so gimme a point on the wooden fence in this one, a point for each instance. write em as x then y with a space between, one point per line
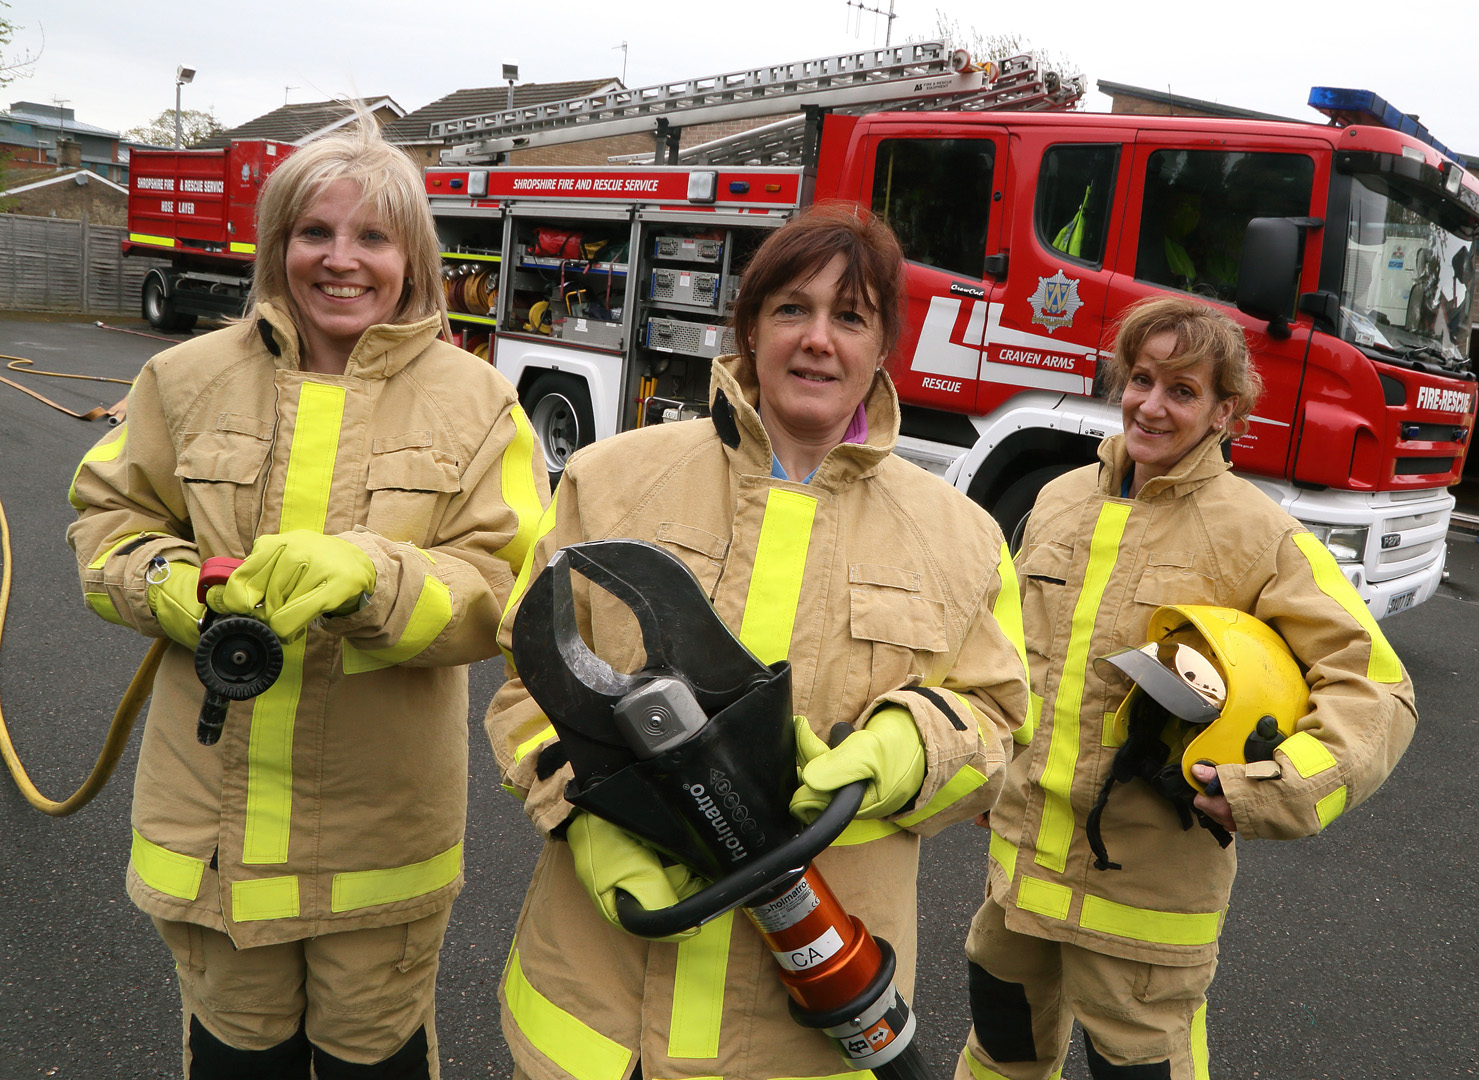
55 264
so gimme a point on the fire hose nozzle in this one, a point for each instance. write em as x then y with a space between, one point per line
238 657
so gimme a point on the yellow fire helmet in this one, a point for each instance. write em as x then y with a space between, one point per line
1225 674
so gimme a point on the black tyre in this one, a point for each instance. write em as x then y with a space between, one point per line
1014 504
559 408
159 307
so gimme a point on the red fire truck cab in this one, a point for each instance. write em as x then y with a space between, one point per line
1345 252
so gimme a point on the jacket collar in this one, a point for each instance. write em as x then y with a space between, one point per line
381 351
734 394
1201 463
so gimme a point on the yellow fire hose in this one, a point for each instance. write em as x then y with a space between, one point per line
138 690
118 731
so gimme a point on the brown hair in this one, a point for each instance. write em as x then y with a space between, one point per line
391 184
873 274
1202 333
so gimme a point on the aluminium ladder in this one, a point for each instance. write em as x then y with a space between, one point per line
926 72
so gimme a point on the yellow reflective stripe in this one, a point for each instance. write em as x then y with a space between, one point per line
1107 732
1023 735
775 580
698 990
521 583
1200 1060
861 831
102 603
1383 665
1056 832
1044 897
1331 806
1004 854
580 1050
166 871
305 492
1307 754
519 493
305 505
366 888
1145 924
243 249
264 898
157 241
981 1072
1008 608
269 802
430 616
967 780
103 451
522 750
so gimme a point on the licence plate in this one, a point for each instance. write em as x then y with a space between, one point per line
1401 602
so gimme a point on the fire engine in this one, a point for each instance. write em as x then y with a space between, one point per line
197 209
1343 250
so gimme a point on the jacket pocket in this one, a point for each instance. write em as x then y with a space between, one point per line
902 630
702 552
221 472
1172 577
410 484
1044 573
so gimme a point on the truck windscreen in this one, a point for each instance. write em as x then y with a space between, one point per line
1407 286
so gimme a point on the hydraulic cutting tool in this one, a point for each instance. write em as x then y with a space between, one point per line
695 754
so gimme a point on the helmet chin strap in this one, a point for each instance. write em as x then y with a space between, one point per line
1146 757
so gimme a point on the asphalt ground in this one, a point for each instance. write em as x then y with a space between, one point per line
1348 955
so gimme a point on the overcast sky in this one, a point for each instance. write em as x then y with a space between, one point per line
114 62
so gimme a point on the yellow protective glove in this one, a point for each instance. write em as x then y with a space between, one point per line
608 858
171 596
887 752
295 577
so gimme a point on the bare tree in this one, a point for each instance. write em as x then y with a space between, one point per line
983 46
195 127
13 67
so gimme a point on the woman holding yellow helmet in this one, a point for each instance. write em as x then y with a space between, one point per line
1197 653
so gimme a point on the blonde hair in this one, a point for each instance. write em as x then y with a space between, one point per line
391 184
1202 333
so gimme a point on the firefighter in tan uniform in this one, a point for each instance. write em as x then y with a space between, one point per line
383 488
891 595
1105 899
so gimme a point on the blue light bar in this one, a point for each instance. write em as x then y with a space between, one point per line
1348 107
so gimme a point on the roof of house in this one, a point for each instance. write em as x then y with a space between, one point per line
76 176
53 118
414 126
296 124
1191 104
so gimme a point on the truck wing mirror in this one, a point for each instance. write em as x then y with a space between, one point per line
1268 276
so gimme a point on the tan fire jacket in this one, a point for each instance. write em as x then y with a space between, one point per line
337 799
879 583
1094 567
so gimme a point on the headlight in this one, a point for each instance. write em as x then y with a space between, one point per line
1346 542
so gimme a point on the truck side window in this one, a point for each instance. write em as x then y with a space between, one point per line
1074 188
936 195
1197 205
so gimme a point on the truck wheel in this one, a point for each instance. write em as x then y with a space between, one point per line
1016 501
159 307
559 409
